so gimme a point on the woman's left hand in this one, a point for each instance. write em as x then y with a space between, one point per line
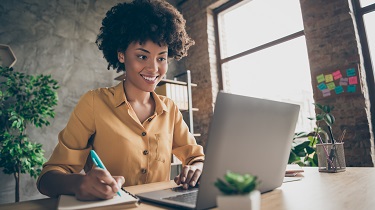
189 175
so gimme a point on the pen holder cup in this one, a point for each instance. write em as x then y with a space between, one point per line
331 157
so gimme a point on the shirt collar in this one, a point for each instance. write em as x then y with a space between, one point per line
159 104
120 98
119 94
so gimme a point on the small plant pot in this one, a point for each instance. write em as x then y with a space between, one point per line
249 201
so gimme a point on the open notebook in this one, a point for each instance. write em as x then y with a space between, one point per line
127 200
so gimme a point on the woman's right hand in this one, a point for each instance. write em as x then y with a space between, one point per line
98 184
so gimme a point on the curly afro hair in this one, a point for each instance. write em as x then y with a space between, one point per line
142 20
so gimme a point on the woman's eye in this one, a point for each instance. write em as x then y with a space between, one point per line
142 57
162 59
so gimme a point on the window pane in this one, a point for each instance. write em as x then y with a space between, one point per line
366 2
257 22
369 20
279 73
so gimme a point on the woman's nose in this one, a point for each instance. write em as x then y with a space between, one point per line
152 65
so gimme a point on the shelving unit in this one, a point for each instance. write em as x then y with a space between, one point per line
189 85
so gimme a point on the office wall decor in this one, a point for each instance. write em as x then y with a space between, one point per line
337 82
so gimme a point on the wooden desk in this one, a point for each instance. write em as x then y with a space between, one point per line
352 189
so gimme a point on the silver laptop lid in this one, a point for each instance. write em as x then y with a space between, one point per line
247 135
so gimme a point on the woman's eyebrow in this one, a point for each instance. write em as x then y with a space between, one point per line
146 51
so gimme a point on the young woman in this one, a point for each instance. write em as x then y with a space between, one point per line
133 130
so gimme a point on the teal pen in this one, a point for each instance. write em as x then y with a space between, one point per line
99 163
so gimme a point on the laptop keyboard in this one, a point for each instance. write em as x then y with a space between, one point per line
190 197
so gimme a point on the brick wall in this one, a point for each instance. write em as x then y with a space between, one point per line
331 43
202 62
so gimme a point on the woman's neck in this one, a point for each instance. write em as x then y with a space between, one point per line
135 95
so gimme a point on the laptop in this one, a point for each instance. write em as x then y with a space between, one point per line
246 135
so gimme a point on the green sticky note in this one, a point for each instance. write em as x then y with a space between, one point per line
351 88
331 85
350 72
339 89
320 78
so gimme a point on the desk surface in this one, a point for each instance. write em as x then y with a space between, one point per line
352 189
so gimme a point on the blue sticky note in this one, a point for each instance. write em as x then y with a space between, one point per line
339 89
350 72
351 88
322 86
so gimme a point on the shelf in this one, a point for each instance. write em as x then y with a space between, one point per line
7 57
163 81
193 109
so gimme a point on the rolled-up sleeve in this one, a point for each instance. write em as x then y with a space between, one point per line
185 146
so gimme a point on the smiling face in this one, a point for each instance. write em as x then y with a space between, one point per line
145 64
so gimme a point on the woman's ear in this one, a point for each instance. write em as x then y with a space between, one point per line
121 57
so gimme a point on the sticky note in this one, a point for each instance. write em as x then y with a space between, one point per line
320 78
326 92
353 80
322 86
350 72
351 88
331 85
329 78
337 75
344 81
339 89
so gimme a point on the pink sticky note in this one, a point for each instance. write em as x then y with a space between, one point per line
337 75
353 80
326 92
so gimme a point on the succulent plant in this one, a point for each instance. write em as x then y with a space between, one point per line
237 184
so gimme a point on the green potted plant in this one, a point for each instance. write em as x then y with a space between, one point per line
238 192
303 151
25 100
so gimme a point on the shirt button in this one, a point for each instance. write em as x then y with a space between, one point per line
143 170
145 152
149 119
143 133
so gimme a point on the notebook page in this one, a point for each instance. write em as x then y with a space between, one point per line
68 202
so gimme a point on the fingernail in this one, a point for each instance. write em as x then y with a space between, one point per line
192 183
186 186
182 179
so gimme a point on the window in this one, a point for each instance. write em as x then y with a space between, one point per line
263 53
369 22
364 11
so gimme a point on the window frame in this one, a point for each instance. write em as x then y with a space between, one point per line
359 12
232 4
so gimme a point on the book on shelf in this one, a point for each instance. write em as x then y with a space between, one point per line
178 93
127 200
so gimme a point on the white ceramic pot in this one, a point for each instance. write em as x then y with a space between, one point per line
249 201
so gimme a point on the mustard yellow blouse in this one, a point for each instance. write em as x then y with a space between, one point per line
103 120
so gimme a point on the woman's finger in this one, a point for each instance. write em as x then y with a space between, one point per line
105 177
194 180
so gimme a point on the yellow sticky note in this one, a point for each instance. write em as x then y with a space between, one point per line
329 78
